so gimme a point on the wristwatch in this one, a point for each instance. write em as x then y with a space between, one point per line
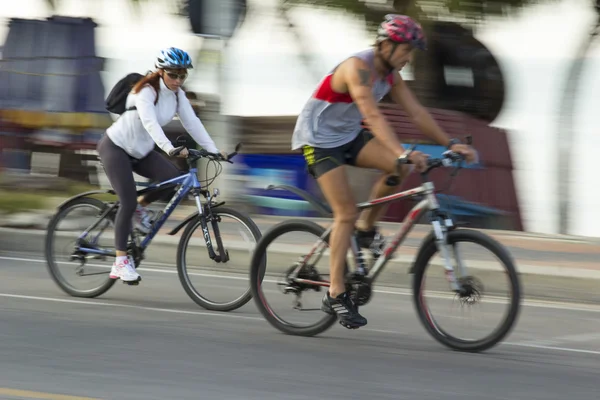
403 159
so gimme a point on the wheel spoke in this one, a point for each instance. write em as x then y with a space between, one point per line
470 294
295 275
239 235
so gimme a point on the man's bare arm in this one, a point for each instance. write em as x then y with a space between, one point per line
358 78
402 95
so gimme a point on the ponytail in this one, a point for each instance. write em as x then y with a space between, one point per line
152 79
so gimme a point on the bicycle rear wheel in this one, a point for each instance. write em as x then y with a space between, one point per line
64 237
285 263
474 290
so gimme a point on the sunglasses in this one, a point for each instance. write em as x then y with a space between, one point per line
173 75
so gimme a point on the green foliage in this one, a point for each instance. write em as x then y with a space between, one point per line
11 202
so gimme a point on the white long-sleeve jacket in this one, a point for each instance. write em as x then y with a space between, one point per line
136 132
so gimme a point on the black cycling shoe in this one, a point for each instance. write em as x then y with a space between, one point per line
346 310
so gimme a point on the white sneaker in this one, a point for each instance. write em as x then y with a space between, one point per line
142 220
124 269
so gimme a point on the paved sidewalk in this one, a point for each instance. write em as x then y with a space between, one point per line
540 254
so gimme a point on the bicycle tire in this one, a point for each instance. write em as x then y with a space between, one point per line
258 259
50 263
182 270
478 238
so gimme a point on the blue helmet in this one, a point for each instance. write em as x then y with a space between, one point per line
173 58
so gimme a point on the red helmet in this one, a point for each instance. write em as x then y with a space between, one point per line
401 29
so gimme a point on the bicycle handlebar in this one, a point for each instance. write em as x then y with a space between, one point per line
448 158
197 154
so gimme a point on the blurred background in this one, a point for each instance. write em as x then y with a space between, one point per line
517 75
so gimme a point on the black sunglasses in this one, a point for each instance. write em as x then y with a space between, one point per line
173 75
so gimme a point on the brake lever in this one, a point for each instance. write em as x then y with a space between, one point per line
230 156
456 169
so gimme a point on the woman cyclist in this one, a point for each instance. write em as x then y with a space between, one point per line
128 147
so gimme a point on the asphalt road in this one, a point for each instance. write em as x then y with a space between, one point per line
153 342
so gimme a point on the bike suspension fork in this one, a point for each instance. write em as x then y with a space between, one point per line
441 236
223 255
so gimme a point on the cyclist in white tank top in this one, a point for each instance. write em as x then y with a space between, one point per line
328 131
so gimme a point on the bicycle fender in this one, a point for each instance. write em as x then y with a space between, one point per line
191 217
70 200
321 207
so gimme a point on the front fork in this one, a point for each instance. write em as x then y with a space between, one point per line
223 255
441 226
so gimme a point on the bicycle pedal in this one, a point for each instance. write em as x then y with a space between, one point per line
132 283
348 326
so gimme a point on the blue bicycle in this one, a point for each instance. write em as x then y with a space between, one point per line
84 251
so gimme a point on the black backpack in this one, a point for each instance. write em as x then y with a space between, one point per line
117 98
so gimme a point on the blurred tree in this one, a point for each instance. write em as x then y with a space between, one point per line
468 11
178 5
452 47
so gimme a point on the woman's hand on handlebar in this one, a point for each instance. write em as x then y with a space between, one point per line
224 155
180 152
183 153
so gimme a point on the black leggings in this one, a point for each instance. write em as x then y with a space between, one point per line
119 168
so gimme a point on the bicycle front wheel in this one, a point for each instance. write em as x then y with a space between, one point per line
493 264
218 285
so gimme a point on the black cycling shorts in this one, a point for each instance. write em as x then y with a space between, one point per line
321 160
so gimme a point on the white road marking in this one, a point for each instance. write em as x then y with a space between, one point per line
554 348
557 340
117 305
244 317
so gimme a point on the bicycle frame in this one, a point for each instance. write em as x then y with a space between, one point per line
189 182
429 203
